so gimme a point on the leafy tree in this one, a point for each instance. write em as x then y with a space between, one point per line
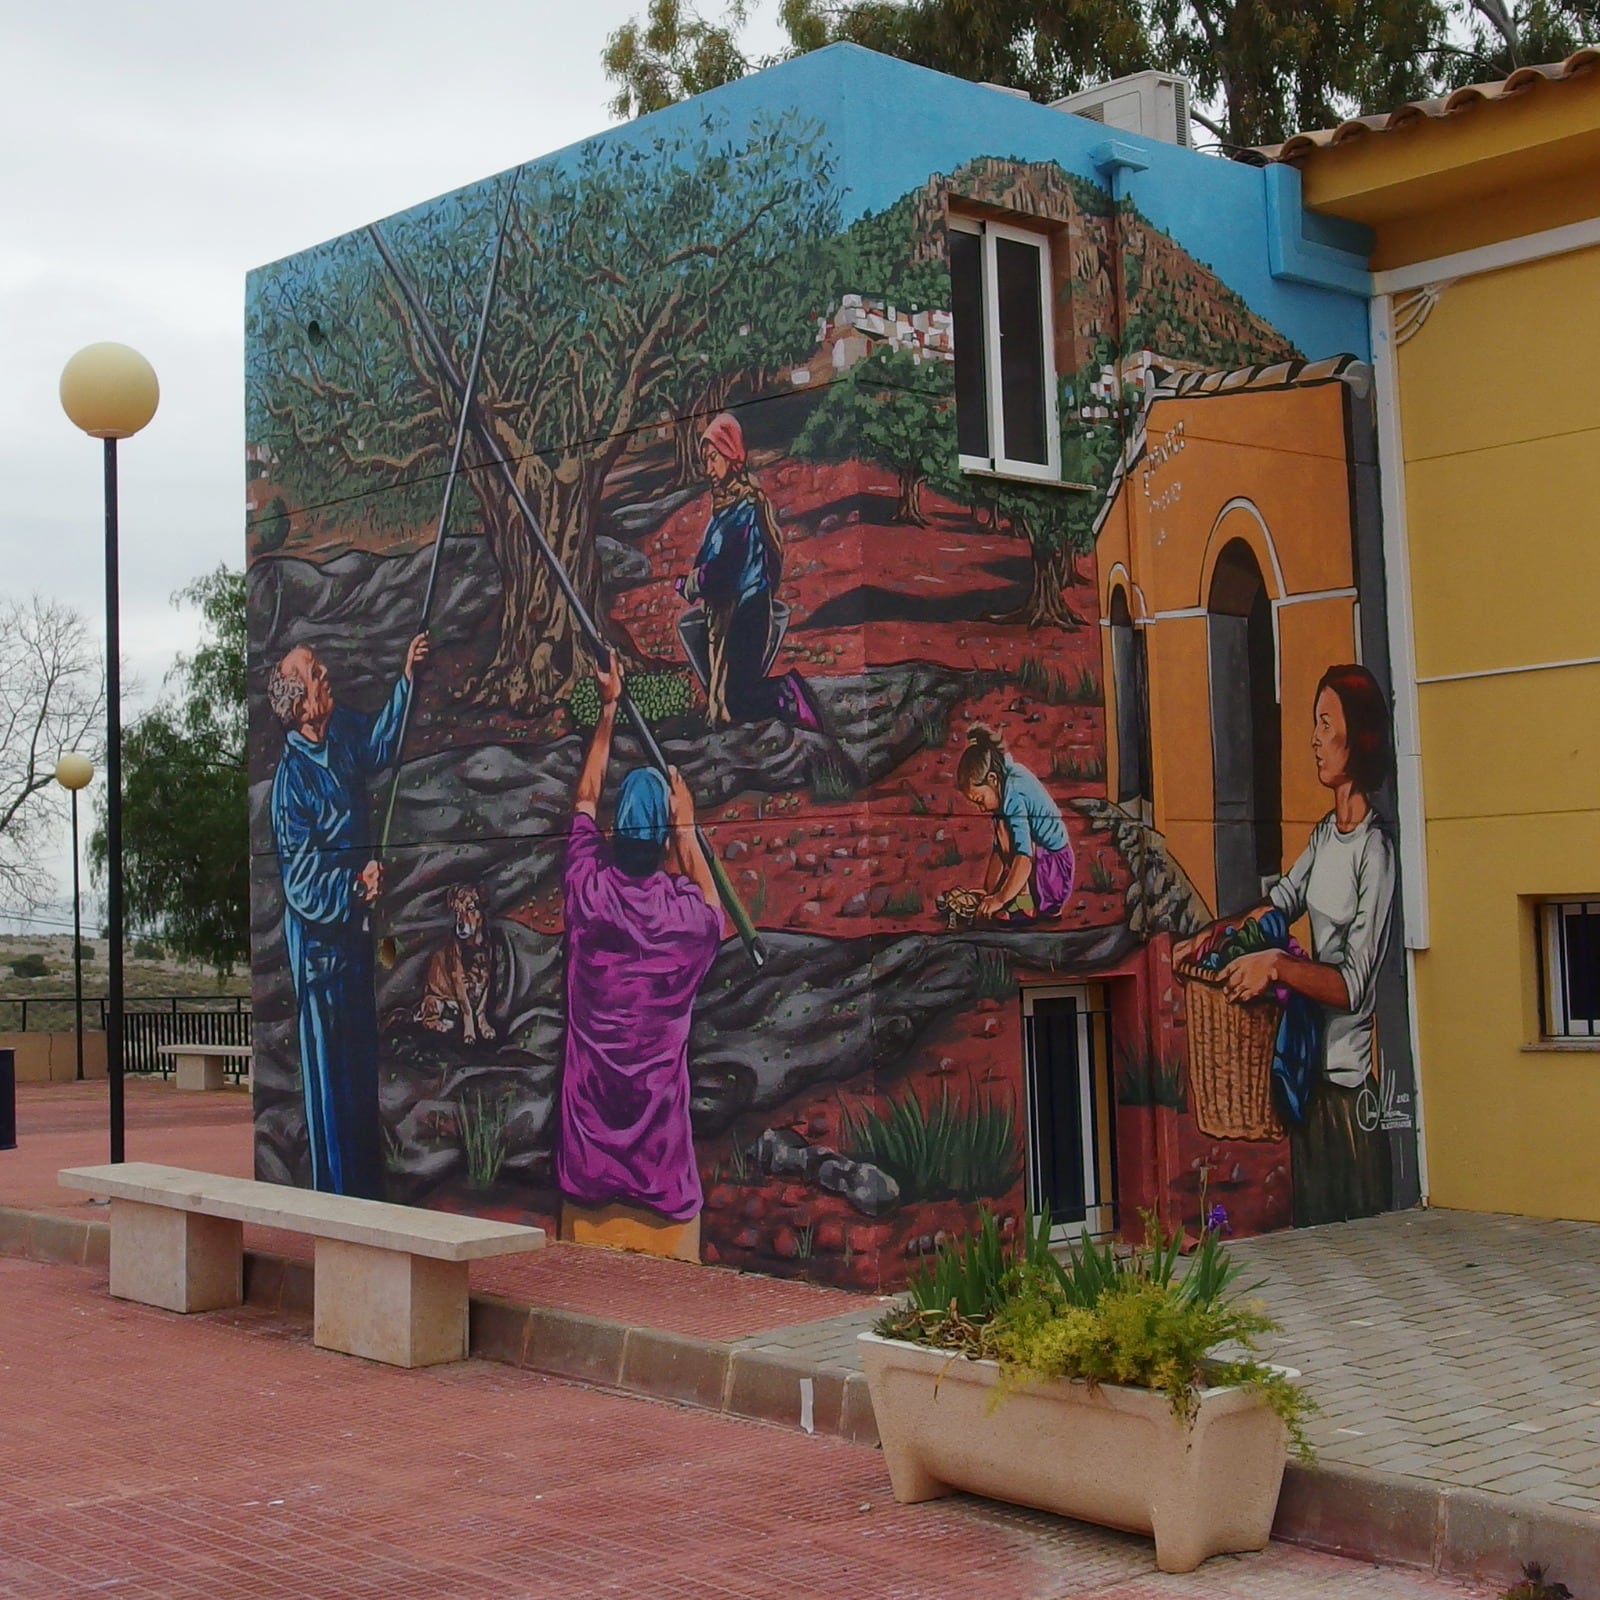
1047 47
52 700
765 324
185 805
625 265
1059 524
1279 65
1048 50
893 411
671 54
1501 36
1275 65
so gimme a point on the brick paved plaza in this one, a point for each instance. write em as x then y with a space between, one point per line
147 1455
1452 1351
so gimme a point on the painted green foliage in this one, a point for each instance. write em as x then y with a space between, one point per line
893 411
638 277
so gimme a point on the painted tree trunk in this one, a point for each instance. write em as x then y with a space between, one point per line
1046 607
909 506
541 651
689 469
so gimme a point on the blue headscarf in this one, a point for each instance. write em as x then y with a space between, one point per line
641 823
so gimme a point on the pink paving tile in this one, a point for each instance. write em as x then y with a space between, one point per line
148 1456
65 1125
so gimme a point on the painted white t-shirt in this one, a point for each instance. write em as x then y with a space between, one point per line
1344 882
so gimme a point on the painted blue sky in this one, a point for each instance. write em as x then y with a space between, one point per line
900 124
894 125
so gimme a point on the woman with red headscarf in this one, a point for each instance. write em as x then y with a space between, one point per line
735 577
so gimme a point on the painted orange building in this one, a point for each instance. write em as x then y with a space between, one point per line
1227 586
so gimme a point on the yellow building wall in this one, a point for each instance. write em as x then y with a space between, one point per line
1527 162
1270 467
1500 417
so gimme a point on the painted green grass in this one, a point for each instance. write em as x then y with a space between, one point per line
481 1119
1057 688
947 1150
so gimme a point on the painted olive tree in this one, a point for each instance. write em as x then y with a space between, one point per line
629 264
893 411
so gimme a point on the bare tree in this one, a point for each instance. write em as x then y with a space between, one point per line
52 699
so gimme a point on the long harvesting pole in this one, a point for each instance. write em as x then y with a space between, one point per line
598 649
470 388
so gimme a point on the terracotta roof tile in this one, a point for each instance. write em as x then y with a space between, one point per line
1300 145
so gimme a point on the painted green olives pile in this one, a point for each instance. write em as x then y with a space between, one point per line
659 696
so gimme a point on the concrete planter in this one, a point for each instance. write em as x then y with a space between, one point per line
1109 1455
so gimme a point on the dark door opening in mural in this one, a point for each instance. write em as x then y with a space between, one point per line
1131 682
1246 731
1069 1144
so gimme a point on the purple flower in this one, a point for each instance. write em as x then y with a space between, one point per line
1217 1220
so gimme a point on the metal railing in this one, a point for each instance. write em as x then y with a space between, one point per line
148 1022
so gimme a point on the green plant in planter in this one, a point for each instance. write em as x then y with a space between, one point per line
1103 1315
1534 1585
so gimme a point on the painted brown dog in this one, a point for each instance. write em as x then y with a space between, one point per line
459 972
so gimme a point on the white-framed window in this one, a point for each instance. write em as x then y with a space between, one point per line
1006 417
1569 961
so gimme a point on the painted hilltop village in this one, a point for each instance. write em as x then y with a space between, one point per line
797 670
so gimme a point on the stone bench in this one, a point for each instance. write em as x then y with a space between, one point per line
201 1066
389 1282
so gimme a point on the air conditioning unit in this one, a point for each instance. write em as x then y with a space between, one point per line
1155 104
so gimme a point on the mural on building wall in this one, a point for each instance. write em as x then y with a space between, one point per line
675 880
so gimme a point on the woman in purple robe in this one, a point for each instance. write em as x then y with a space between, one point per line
644 922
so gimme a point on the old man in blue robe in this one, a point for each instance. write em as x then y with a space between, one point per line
330 880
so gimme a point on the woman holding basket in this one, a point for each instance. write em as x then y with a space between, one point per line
1343 883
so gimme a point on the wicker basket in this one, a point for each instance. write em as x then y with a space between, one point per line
1230 1060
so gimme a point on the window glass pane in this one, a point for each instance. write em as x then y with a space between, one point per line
1581 969
1023 359
966 311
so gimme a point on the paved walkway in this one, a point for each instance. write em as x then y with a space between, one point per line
63 1125
1458 1354
1448 1345
202 1458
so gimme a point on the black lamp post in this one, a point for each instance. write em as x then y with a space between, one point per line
73 773
111 392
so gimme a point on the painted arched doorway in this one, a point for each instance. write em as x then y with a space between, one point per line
1246 730
1131 686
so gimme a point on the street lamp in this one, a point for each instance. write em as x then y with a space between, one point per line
111 392
73 773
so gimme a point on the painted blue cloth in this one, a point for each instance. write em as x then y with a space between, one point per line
642 807
1297 1050
1032 818
734 563
319 821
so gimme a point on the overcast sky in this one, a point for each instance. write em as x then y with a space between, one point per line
150 155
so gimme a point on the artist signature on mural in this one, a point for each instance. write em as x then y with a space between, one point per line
1385 1106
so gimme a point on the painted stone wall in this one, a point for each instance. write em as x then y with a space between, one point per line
717 376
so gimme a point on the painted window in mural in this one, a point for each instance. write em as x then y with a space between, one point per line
1246 729
1005 387
1130 672
1569 961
